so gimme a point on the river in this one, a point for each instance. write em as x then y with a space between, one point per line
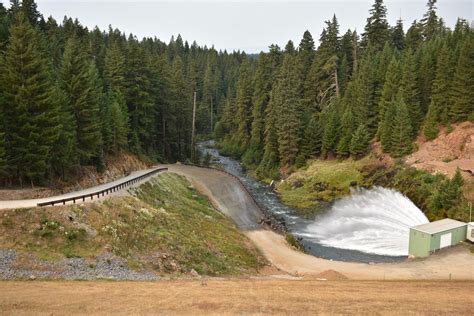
368 226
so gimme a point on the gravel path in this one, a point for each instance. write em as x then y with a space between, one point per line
19 266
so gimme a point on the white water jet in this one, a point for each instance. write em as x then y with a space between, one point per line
374 221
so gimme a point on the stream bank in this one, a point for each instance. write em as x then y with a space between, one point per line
295 223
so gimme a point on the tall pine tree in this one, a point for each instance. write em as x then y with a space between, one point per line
462 94
31 115
78 82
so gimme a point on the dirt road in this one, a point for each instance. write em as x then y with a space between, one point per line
228 195
234 296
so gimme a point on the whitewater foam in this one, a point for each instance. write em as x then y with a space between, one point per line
374 221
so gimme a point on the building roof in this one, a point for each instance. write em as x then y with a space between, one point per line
439 226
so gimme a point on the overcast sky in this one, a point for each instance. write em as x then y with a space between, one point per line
246 25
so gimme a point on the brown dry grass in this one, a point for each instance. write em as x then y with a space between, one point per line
238 296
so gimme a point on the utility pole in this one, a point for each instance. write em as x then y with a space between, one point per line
194 127
470 211
212 115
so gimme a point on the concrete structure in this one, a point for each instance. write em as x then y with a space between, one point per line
428 238
470 231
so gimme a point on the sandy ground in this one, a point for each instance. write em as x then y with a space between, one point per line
237 296
228 195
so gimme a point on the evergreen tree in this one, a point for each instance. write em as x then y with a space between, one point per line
312 141
243 106
426 74
390 88
65 155
4 23
409 90
401 140
139 101
270 159
387 127
376 29
117 121
331 132
288 116
114 72
414 36
177 114
78 82
305 54
360 141
449 193
430 21
347 129
261 97
31 116
3 158
462 93
30 11
321 84
397 36
362 96
440 103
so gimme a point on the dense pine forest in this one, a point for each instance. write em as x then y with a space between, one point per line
70 96
333 101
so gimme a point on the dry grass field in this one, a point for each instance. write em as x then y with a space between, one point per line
238 296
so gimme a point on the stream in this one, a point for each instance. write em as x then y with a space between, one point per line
367 226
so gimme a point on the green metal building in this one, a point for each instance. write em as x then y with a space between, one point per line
428 238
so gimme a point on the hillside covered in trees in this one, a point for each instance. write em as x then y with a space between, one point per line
70 96
383 85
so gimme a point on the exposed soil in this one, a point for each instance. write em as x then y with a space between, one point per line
87 176
446 153
238 296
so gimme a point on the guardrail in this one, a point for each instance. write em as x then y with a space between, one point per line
103 192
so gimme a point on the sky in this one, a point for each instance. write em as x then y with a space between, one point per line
240 25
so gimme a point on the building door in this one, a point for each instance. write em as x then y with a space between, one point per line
445 240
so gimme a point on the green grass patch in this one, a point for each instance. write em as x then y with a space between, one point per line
311 188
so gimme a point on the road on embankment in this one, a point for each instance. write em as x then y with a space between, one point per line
34 202
228 195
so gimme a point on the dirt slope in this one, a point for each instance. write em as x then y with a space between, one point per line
447 152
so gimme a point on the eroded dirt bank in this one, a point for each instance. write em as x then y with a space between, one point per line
228 195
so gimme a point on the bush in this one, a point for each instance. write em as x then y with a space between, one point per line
294 242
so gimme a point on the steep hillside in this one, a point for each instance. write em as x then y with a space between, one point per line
453 148
166 229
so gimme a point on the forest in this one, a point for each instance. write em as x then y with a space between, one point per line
70 96
334 100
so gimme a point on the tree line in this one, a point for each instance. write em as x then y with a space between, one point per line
384 84
70 96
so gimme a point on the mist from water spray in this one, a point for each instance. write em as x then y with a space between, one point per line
373 221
